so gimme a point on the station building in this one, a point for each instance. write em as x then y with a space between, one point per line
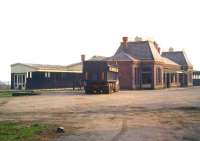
143 66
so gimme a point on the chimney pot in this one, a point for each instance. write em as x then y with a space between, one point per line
125 39
83 57
171 49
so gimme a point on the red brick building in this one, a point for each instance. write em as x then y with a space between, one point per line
143 67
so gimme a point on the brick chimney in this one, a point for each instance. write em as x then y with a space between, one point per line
83 57
125 41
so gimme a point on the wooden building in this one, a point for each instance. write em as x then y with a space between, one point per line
196 78
37 76
143 67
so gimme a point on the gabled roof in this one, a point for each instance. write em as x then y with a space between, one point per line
121 56
177 56
75 68
141 50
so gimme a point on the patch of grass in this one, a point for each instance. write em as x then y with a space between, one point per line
190 108
191 138
17 131
5 94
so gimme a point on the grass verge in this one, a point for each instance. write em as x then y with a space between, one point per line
20 131
5 94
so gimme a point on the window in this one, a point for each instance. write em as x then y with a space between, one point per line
29 75
86 75
146 78
146 74
47 74
136 76
112 76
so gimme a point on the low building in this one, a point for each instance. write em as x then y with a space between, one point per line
143 67
37 76
196 78
40 76
186 71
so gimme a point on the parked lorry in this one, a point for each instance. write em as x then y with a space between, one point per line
100 77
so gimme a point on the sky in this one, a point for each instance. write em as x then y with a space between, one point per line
59 31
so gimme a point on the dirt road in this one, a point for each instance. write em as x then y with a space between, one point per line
162 115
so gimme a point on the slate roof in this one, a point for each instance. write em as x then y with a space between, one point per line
178 56
121 56
141 50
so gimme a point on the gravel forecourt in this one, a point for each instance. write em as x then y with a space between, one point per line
139 115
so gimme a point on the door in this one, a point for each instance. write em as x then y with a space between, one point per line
20 81
183 79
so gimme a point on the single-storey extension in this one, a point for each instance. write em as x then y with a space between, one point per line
37 76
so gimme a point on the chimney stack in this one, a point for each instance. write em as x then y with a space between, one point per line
137 38
125 41
83 57
171 49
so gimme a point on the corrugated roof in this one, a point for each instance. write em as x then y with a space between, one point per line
46 67
177 56
76 67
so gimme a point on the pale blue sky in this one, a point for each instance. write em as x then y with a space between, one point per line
57 32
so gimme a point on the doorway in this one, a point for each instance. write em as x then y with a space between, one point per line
168 80
20 81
